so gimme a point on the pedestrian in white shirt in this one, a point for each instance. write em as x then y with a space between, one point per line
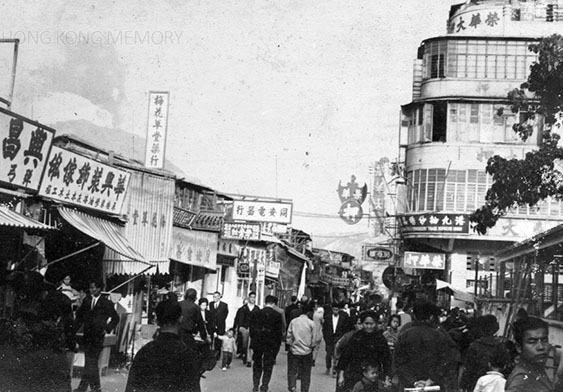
302 339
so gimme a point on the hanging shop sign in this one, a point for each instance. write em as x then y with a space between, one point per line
272 269
434 222
197 248
262 211
425 260
74 179
243 267
156 129
351 198
241 231
376 253
227 248
25 150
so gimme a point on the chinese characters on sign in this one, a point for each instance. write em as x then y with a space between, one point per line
425 260
351 198
241 231
74 179
156 129
197 248
25 148
262 211
466 23
376 253
434 222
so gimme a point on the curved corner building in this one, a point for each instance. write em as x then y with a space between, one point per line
458 118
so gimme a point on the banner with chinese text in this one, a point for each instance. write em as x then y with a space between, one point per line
425 260
157 127
25 149
74 179
197 248
434 222
262 211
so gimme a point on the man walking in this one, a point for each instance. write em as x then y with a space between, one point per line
219 312
166 363
265 337
97 315
301 339
192 321
335 325
243 322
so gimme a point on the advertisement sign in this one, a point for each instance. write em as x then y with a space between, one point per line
157 126
25 150
74 179
351 196
425 260
197 248
484 21
376 253
272 269
262 211
434 222
241 231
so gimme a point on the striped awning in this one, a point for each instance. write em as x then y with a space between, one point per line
102 230
13 219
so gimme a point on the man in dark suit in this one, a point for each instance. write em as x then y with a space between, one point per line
219 311
266 333
97 314
192 321
335 325
243 322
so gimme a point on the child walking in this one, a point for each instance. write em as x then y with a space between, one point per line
229 347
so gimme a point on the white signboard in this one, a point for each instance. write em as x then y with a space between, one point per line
197 248
25 149
156 129
262 211
74 179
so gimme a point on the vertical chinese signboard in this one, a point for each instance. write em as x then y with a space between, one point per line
156 129
25 150
74 179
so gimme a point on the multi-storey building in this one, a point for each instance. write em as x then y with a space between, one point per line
459 116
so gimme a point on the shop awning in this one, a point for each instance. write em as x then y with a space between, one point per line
13 219
458 293
102 230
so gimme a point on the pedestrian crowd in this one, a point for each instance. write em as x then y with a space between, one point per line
367 348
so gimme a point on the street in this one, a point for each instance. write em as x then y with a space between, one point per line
237 378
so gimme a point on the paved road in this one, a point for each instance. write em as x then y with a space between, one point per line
236 379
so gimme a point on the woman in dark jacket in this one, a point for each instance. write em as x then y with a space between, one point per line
367 345
207 317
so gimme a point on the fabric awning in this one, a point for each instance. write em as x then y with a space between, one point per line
102 230
13 219
458 293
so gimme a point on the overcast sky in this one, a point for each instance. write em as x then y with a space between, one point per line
268 97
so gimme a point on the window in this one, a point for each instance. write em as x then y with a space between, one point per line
461 191
477 58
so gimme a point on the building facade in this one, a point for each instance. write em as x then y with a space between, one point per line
459 117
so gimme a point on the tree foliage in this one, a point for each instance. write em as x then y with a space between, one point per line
521 182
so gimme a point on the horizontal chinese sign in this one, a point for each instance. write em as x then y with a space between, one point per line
425 260
156 129
262 211
197 248
434 222
25 150
74 179
241 231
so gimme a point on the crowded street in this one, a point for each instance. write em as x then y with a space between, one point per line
281 196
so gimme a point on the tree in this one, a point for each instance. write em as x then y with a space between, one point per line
520 182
